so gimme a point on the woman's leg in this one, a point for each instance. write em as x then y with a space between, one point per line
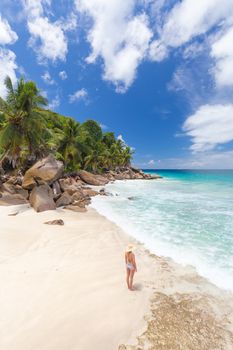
131 279
127 277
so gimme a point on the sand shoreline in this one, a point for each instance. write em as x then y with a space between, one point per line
62 284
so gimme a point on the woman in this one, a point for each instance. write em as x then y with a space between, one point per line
131 266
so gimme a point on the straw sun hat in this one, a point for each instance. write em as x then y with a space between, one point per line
130 248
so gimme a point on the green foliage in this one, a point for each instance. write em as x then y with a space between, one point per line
93 129
29 132
22 127
109 139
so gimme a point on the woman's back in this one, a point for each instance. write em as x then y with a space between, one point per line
130 257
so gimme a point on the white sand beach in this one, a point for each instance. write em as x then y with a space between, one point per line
63 288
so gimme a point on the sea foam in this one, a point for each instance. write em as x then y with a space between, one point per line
190 222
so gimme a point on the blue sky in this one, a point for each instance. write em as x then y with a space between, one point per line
158 73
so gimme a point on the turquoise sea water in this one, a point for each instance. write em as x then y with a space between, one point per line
188 216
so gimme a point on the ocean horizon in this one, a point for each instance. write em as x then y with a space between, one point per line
187 216
188 170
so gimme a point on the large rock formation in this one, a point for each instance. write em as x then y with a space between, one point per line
9 188
12 199
44 185
77 196
89 192
91 179
130 174
81 202
44 171
41 198
19 190
56 188
67 185
65 199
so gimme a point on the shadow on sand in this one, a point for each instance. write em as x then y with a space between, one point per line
137 287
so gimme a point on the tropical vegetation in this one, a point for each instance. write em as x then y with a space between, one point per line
30 131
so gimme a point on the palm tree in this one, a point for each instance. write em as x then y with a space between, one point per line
120 155
115 153
28 131
126 155
23 126
72 145
98 158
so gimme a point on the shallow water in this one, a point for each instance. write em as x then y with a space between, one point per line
188 216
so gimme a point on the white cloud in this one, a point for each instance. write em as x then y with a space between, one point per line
120 137
118 37
222 51
205 160
44 93
158 51
103 126
124 144
54 103
151 162
70 23
7 35
178 27
8 67
34 8
189 81
8 64
63 75
214 160
191 18
22 71
181 80
194 49
81 94
210 126
47 78
47 38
